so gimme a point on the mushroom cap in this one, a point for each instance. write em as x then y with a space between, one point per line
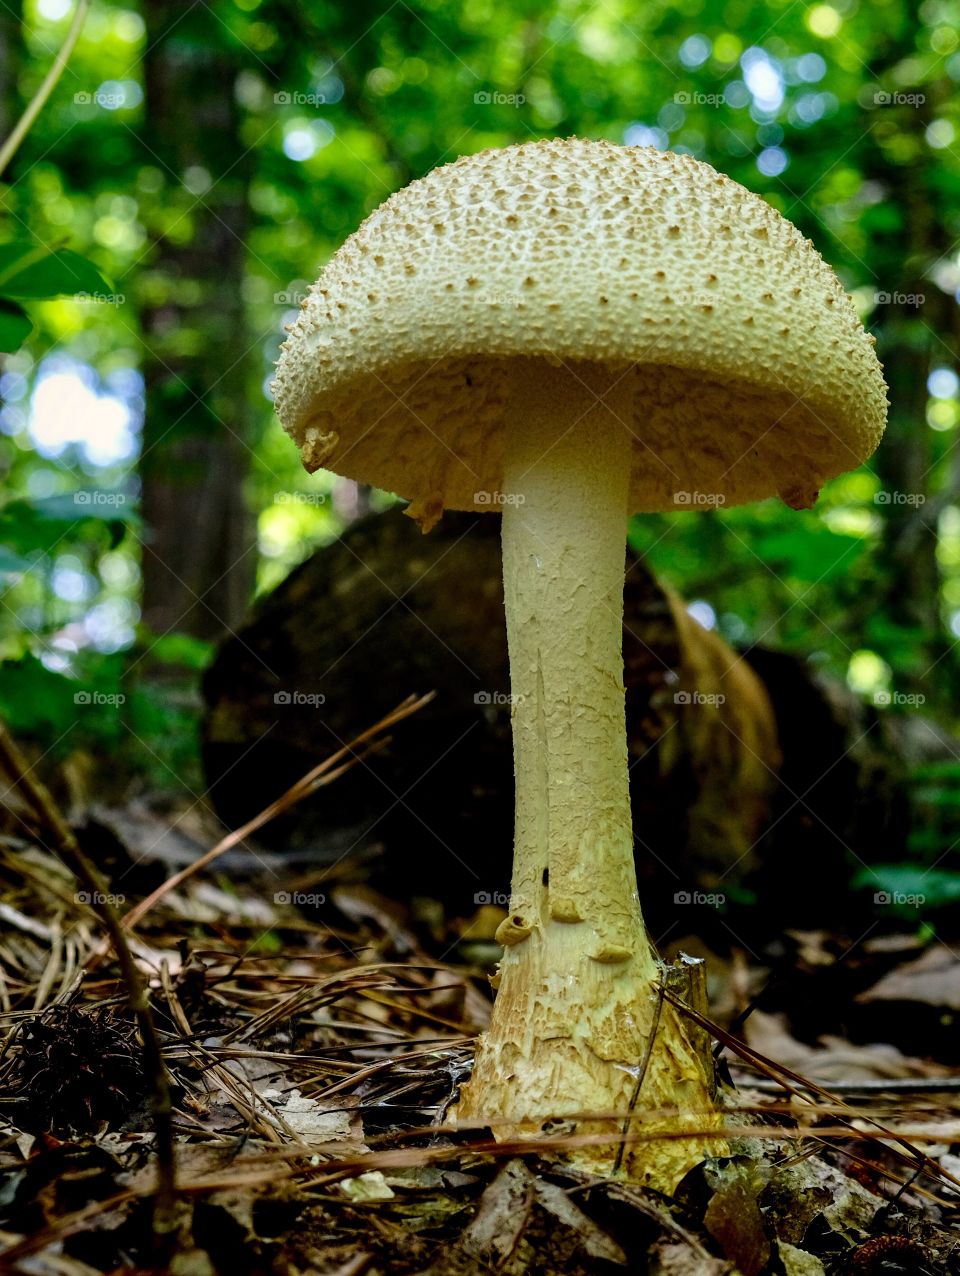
753 374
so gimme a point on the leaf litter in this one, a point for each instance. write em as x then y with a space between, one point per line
314 1055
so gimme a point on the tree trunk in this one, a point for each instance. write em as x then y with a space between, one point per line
198 555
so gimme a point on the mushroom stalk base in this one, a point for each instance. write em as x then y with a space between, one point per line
579 1025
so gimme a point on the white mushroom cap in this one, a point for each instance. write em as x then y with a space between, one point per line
754 376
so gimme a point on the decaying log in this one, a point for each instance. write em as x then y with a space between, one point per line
386 611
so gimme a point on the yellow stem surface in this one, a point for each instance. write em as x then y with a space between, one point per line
579 983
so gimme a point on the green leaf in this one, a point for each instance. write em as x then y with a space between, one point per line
935 885
34 698
941 770
13 564
85 708
181 649
15 326
27 526
937 796
925 842
31 271
809 551
87 503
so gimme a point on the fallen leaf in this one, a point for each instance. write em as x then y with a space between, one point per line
673 1258
371 1186
733 1215
833 1058
595 1240
311 1121
797 1262
503 1213
933 979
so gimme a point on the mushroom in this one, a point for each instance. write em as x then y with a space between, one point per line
569 332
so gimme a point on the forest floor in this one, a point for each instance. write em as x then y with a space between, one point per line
315 1036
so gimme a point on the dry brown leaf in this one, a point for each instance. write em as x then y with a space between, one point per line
733 1216
504 1210
933 979
833 1059
673 1258
595 1240
797 1262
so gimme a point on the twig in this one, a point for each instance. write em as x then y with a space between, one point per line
802 1088
321 774
869 1085
39 101
641 1073
66 844
261 1115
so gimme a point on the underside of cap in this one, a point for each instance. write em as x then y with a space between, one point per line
752 374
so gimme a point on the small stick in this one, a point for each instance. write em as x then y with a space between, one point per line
25 123
66 844
869 1085
641 1073
802 1088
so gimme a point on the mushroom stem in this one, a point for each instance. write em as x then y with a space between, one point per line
578 995
564 545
